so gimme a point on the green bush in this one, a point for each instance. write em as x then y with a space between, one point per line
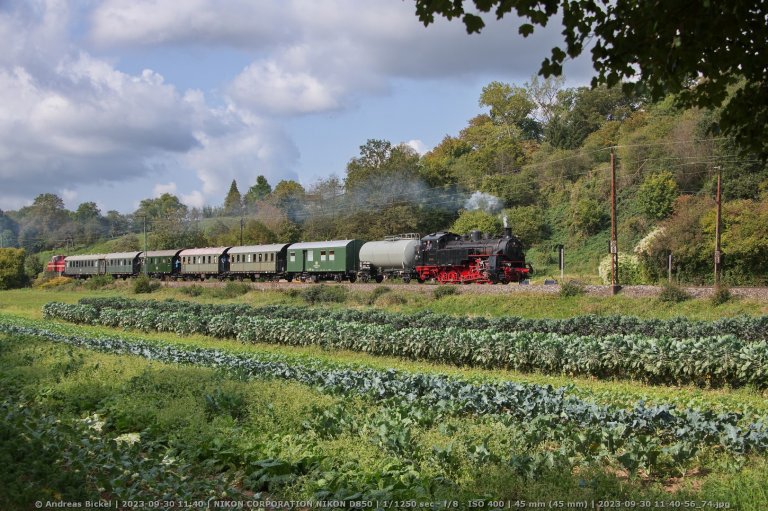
12 268
99 282
443 291
324 294
193 290
377 293
144 284
630 271
721 296
572 288
672 293
231 290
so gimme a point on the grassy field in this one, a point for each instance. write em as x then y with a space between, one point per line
204 433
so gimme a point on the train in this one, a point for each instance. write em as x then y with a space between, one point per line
443 257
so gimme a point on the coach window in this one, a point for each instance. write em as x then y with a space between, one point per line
310 255
331 255
259 257
322 255
292 257
272 257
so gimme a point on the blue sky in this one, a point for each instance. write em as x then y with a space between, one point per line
115 101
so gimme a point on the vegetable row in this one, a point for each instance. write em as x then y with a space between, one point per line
747 328
709 361
612 429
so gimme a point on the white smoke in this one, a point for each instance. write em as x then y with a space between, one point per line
484 201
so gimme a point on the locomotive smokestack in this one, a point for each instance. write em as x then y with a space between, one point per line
507 228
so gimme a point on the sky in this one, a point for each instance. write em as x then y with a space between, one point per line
115 101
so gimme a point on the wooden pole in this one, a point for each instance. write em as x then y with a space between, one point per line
614 241
718 254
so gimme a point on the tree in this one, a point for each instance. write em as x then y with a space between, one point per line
86 211
476 220
233 202
657 195
511 106
166 206
706 53
257 192
289 196
12 268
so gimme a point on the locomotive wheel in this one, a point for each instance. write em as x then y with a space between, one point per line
407 279
379 279
352 278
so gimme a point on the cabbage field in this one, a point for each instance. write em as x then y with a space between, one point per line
227 404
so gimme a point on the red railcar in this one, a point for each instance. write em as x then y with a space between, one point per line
56 265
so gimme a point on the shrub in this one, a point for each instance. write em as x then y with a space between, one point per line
443 291
630 271
99 282
12 268
572 288
231 290
377 293
324 294
48 283
721 296
672 293
143 284
193 290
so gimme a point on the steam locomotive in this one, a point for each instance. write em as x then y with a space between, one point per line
443 256
450 258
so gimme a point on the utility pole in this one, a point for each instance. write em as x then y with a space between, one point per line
145 245
241 231
669 269
718 254
614 241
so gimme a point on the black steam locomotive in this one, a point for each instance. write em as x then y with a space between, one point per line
450 258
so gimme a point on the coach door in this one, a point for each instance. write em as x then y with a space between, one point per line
102 266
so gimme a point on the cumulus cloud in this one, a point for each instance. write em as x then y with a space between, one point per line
418 146
333 52
74 118
160 189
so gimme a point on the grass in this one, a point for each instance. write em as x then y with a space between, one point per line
27 302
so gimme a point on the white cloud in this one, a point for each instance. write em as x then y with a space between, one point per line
266 87
418 146
160 189
196 199
333 51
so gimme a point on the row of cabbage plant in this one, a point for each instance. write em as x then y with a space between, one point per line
747 328
710 361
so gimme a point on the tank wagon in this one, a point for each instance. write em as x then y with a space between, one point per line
393 257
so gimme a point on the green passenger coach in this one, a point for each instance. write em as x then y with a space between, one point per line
162 263
325 260
83 266
122 264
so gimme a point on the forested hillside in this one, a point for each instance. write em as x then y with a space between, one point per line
538 154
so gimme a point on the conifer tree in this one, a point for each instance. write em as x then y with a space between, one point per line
233 201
